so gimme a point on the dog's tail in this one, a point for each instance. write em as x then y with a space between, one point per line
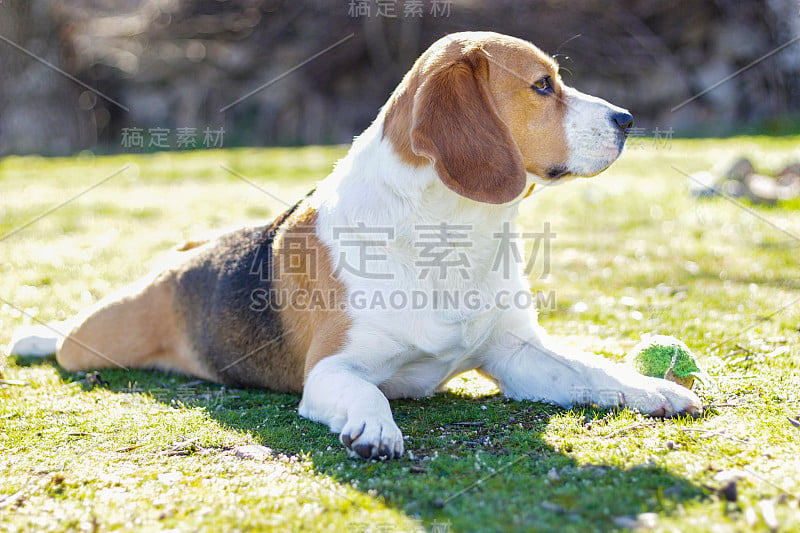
40 340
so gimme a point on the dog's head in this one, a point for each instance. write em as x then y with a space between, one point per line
490 112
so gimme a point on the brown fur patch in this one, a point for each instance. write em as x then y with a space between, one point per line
533 123
456 125
262 304
536 121
397 123
194 316
315 321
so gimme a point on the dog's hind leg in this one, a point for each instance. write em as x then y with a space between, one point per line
136 327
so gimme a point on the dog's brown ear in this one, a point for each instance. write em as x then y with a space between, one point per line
456 125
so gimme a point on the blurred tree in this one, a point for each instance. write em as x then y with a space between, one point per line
40 109
179 64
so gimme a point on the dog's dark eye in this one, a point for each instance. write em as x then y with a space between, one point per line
543 86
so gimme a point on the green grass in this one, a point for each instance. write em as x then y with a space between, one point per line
151 451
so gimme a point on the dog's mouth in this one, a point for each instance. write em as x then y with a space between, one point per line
556 171
592 161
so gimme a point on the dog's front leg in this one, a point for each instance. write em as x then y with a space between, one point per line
336 395
526 366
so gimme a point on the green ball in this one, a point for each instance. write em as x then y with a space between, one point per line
663 356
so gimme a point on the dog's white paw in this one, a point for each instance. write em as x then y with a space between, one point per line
33 341
659 397
372 437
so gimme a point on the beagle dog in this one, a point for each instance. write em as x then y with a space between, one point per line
323 300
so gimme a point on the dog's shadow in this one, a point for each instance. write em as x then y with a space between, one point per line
471 463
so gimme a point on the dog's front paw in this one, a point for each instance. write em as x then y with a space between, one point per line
372 437
661 398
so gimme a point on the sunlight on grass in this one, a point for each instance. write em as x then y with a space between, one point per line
472 384
633 254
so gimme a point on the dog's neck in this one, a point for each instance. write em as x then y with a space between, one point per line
373 185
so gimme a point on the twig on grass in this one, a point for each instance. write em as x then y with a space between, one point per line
18 382
182 448
631 427
743 349
193 384
12 499
130 448
715 433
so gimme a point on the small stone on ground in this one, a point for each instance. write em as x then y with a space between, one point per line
253 451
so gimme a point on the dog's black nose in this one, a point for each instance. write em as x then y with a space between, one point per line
623 120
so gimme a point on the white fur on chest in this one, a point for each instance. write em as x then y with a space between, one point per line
430 320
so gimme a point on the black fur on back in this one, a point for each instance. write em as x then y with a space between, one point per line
219 294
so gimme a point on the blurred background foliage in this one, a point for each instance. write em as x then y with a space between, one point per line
172 64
